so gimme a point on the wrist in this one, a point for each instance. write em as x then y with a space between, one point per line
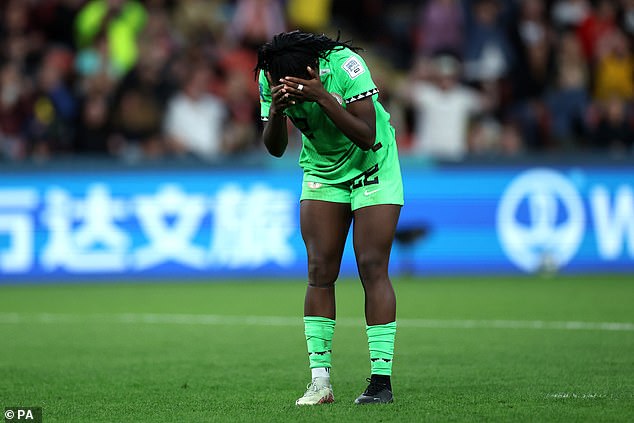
325 99
276 115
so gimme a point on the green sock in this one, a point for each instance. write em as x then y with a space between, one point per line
381 342
319 331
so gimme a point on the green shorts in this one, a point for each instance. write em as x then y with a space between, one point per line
381 184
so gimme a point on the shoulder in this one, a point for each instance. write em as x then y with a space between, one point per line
346 61
339 55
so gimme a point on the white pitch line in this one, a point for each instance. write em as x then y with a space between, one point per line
219 320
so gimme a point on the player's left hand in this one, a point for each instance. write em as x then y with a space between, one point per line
304 89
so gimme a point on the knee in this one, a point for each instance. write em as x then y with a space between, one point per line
372 266
322 271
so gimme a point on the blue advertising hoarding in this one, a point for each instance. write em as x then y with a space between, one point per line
134 223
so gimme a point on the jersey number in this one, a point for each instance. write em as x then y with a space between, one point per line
368 177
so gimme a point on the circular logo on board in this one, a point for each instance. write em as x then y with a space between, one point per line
540 220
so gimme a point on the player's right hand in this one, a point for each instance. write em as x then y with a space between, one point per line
280 98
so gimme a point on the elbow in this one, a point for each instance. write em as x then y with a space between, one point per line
366 143
365 146
367 137
275 148
276 153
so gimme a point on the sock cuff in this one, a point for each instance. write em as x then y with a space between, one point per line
319 320
385 329
319 327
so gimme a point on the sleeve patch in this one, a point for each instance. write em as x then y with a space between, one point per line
261 91
362 95
353 67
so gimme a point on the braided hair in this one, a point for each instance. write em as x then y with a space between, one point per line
289 53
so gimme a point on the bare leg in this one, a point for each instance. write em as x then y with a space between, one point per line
324 228
374 229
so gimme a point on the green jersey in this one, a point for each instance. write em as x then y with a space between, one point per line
327 154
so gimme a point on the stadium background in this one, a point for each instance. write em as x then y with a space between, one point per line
151 267
103 102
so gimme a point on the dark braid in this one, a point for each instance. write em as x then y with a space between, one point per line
289 53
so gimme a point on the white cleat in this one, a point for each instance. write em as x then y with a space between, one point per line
319 391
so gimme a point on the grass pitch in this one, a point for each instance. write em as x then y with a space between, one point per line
468 350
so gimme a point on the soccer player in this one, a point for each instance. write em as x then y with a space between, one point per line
351 174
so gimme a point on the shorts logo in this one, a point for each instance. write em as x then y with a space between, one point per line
353 67
314 185
369 193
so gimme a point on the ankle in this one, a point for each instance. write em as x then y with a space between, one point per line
320 372
382 380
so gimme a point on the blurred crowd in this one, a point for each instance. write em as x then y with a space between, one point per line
137 79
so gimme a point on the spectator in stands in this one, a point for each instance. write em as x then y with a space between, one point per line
194 19
51 123
19 43
627 17
254 22
532 39
440 27
596 24
121 21
95 60
443 109
309 15
93 130
568 99
613 129
56 20
195 120
614 67
139 104
241 134
569 13
14 111
510 141
488 53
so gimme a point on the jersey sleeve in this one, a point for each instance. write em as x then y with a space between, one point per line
265 96
353 76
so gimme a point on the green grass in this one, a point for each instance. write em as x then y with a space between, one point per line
97 357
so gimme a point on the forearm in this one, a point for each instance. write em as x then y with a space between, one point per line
359 131
275 134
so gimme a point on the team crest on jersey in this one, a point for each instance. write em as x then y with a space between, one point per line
353 67
338 98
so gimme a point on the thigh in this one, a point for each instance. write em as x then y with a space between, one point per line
373 233
324 227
